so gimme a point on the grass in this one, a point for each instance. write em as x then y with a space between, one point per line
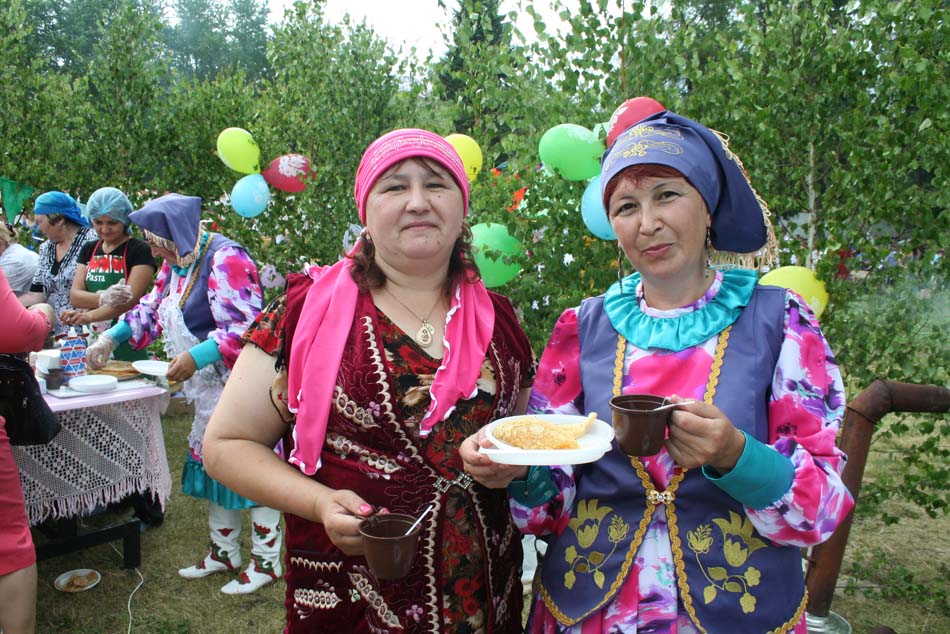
165 603
894 575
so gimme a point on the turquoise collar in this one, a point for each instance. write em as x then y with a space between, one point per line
681 328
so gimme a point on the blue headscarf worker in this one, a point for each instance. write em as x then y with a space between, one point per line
60 219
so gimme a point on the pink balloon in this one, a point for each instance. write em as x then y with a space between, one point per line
288 173
630 113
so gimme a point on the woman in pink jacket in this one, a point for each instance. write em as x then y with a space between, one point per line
21 329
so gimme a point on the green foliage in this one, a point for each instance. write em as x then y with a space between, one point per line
38 110
214 36
66 31
198 41
125 98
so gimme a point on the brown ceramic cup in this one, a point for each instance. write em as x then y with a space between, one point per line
389 551
638 428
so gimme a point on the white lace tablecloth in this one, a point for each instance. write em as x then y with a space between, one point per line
110 445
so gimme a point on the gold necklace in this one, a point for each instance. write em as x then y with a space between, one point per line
426 334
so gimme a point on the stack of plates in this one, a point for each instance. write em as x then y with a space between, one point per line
93 383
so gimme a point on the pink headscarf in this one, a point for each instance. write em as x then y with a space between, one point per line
330 306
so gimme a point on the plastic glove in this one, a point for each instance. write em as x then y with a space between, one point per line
97 355
116 295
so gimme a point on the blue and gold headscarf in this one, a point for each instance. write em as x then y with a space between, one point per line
739 217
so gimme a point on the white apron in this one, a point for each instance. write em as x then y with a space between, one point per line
204 388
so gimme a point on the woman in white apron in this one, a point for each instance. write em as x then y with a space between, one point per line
206 294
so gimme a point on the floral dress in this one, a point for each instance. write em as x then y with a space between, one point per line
55 278
454 582
235 299
234 302
805 410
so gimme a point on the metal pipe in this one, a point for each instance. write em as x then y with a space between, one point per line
863 412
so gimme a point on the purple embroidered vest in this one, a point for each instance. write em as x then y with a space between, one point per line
727 573
197 309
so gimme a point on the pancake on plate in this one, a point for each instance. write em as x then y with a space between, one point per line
533 432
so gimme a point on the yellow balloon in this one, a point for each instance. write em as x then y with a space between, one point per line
801 280
238 150
469 152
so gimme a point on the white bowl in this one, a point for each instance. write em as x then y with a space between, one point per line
93 383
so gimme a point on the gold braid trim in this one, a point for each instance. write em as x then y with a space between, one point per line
675 541
637 536
202 248
767 256
187 260
634 461
790 624
159 241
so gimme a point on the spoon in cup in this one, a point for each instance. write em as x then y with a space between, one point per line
419 519
667 406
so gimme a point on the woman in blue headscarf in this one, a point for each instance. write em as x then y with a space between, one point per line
60 219
112 273
704 535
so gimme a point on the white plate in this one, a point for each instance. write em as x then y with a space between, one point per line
151 368
591 446
93 383
63 584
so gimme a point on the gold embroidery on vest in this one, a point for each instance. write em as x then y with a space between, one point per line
586 525
675 541
738 544
637 537
701 538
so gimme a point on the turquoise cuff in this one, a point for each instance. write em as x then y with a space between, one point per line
534 490
760 478
205 353
120 333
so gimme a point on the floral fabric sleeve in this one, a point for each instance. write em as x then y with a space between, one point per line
808 403
557 390
143 318
236 298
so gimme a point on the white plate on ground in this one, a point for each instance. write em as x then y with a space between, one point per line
151 367
77 580
93 383
591 446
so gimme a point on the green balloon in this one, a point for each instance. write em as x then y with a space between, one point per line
572 151
495 237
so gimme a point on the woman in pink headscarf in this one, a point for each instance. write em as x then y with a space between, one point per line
385 362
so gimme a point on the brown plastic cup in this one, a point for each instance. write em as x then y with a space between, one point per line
639 429
55 378
389 551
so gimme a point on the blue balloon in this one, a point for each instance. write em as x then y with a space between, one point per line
593 212
250 195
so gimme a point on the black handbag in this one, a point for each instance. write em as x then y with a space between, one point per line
28 419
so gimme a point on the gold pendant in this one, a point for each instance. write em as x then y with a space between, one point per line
425 335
